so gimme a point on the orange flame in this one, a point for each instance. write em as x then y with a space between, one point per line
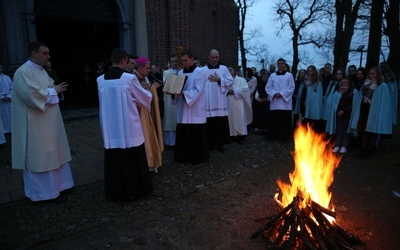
314 170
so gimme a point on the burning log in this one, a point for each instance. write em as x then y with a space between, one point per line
308 221
305 228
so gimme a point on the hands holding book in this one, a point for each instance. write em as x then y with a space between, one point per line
174 84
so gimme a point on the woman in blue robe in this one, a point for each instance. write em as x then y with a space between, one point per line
372 111
339 117
298 98
330 90
313 107
390 79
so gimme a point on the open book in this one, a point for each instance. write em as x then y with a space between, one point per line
174 84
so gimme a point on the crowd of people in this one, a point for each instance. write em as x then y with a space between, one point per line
216 106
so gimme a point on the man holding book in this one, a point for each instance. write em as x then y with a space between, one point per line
191 133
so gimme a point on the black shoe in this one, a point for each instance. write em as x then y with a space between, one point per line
221 149
67 191
59 199
196 162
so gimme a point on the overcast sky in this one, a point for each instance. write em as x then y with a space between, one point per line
262 15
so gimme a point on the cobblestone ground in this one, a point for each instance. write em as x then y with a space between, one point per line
212 205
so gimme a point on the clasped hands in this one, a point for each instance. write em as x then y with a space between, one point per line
6 99
214 78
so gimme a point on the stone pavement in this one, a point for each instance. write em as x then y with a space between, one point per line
211 205
86 144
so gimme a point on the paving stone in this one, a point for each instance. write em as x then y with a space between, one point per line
5 197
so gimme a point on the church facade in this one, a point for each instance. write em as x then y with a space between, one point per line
82 33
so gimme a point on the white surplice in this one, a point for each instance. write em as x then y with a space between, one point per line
192 109
216 100
128 133
283 84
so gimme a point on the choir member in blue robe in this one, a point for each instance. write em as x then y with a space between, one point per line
338 116
314 99
330 90
372 112
390 79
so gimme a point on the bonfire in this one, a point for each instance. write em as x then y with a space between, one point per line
306 218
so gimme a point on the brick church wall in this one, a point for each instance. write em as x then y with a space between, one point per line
200 25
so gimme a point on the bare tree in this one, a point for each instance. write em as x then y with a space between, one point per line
298 15
243 5
375 33
254 48
346 17
392 30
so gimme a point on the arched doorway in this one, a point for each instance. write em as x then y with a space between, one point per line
79 34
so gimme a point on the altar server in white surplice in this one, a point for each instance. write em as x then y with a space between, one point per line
217 81
5 100
126 173
39 141
240 113
280 88
191 130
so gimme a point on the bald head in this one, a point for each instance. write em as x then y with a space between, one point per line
214 57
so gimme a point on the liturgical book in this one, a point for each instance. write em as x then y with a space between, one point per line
174 84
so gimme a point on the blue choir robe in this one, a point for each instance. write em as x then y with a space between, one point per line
330 91
314 102
380 114
331 113
296 110
394 90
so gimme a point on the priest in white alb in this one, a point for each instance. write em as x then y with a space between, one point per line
39 141
240 113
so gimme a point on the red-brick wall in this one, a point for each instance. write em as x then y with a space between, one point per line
200 25
217 23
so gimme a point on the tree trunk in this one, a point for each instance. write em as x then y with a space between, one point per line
295 53
242 11
375 34
393 32
346 16
242 51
